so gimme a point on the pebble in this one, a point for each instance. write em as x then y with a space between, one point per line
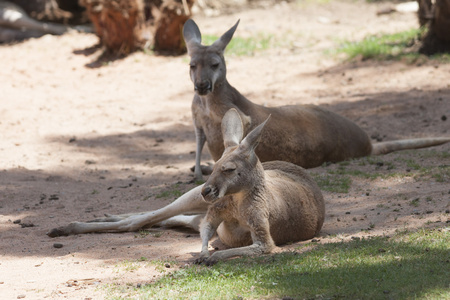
57 245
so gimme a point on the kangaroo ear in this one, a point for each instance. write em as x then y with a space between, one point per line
232 128
223 41
192 35
251 141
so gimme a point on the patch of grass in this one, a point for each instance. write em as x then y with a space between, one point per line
433 154
442 174
334 184
142 234
406 266
415 202
128 266
384 46
174 192
239 46
411 163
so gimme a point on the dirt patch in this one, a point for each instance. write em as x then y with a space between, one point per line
79 141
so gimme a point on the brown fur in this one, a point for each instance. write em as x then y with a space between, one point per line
256 206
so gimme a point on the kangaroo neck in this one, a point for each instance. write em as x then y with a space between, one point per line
223 94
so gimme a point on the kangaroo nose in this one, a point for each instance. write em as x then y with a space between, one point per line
205 191
203 87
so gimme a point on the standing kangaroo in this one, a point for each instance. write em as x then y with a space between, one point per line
305 135
254 205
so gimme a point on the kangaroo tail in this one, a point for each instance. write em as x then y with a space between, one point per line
391 146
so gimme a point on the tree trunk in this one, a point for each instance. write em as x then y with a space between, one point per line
437 18
126 25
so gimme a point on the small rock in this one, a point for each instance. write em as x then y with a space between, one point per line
53 197
167 265
57 245
18 221
25 225
21 296
444 118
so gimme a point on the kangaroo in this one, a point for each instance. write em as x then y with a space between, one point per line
306 135
254 205
16 25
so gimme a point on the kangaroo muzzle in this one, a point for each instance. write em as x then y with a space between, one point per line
203 87
209 194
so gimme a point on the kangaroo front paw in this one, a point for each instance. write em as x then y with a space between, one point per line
210 261
62 231
202 258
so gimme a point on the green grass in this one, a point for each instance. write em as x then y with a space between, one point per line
384 46
174 192
331 183
338 177
406 266
239 46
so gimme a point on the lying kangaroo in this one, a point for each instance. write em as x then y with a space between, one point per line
252 205
306 135
256 206
15 24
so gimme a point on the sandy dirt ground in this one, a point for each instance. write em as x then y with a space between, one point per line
80 139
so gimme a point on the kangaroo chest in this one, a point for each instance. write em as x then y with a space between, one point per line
208 117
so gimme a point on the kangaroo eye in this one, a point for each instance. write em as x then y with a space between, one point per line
228 168
215 65
192 66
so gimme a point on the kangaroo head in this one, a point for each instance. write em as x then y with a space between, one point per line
239 169
207 66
